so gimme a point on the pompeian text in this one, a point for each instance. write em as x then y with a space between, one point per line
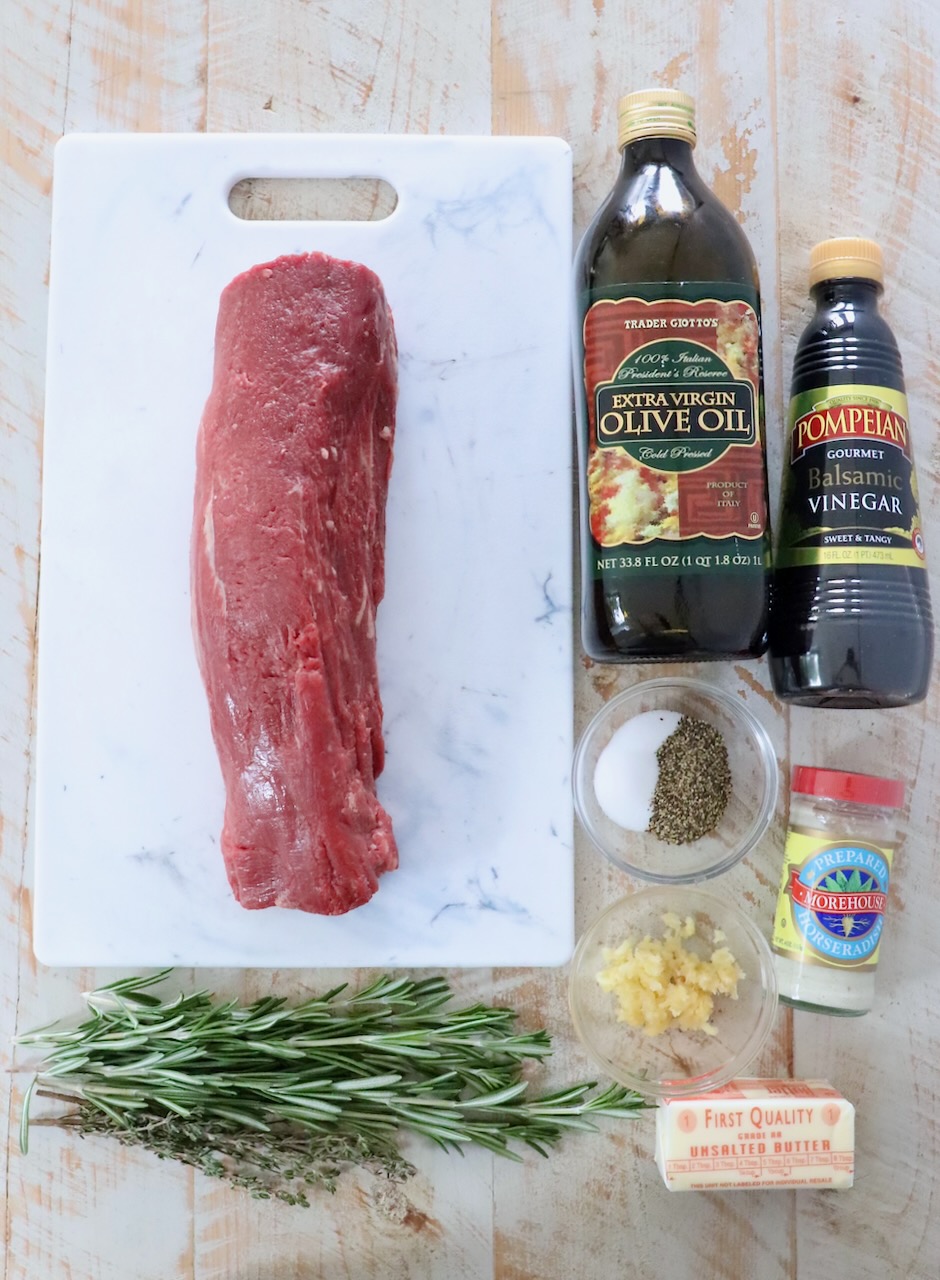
859 421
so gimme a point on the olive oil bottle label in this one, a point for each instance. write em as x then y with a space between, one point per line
675 468
850 489
831 904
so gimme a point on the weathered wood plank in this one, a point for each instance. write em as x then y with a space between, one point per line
564 74
136 66
72 1209
359 67
859 154
31 121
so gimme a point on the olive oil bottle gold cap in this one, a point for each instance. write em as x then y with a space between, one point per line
655 113
846 257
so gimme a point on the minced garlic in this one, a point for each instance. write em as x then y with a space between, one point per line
660 983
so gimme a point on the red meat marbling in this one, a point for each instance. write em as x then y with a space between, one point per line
288 565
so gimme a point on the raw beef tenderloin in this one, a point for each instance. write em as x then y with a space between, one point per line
288 565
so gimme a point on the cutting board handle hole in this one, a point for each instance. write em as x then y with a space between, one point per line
312 199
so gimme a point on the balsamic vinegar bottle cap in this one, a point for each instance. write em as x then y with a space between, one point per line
655 113
845 257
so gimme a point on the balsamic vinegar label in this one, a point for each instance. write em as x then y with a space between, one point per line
675 470
850 492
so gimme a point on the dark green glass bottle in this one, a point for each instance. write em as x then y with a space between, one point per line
673 487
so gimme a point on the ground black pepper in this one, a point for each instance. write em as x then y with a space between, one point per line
694 783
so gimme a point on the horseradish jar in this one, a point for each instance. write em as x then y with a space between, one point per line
833 890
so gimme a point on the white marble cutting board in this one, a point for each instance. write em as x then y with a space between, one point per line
475 631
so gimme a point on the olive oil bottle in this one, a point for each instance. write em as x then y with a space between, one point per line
851 622
673 483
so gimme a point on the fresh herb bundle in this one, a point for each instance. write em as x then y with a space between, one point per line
277 1097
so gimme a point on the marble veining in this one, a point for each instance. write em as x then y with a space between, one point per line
475 629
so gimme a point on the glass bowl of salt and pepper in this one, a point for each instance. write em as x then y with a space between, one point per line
675 780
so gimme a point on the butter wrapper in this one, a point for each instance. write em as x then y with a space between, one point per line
757 1133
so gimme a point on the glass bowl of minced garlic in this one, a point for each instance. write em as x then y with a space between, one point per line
672 991
675 780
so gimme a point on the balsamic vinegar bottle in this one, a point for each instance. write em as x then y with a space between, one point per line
673 484
851 623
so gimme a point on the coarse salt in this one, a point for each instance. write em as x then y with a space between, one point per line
626 772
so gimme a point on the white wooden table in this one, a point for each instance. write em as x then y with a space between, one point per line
814 120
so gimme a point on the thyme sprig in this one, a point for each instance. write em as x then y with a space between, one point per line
276 1097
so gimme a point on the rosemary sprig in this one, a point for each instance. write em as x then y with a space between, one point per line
276 1097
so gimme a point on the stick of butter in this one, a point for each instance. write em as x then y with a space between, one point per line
757 1133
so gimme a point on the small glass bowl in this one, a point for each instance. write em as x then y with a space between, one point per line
675 1063
754 783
